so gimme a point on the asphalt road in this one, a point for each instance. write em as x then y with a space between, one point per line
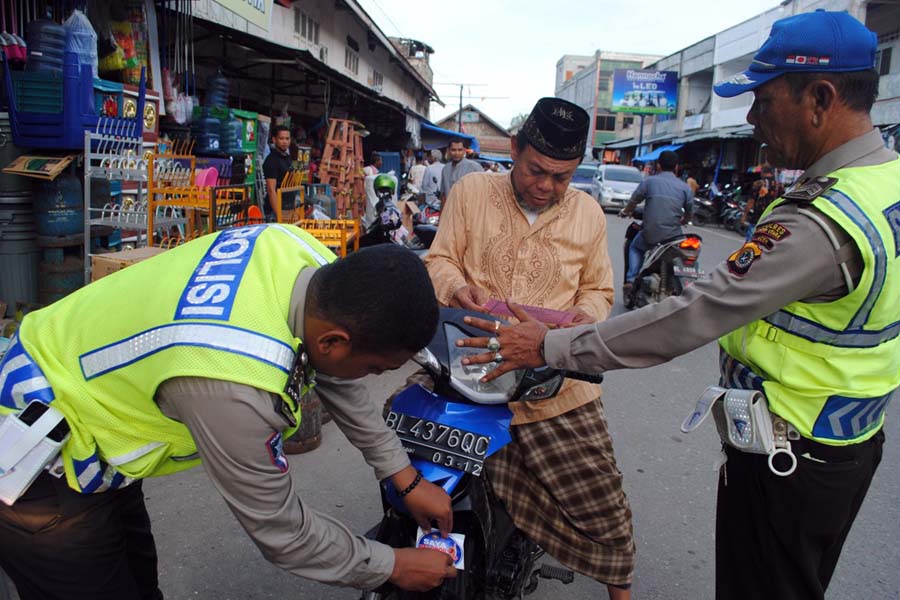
669 479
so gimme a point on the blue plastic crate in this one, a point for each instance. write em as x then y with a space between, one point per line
65 130
38 91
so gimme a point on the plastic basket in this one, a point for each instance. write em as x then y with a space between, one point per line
38 91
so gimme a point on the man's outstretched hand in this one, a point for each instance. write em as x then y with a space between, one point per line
470 297
520 345
426 503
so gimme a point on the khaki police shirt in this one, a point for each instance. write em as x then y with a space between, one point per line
230 424
804 265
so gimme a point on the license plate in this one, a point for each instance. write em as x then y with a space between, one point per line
441 444
683 271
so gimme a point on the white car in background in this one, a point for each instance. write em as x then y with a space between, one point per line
613 185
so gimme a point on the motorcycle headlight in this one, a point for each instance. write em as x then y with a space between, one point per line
433 220
466 379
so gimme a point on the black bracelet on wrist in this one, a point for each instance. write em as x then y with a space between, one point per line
411 486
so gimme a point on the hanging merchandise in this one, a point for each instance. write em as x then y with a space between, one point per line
82 40
46 45
217 89
13 46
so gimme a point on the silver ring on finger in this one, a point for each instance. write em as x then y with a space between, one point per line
498 358
493 344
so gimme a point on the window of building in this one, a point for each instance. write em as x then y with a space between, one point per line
627 122
377 80
606 123
883 60
351 60
305 26
323 54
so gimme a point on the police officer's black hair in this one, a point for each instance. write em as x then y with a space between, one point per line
381 295
857 89
667 160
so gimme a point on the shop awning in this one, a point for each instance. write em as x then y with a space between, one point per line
724 133
653 155
436 137
504 160
620 144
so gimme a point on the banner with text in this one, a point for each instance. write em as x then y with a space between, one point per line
641 91
258 12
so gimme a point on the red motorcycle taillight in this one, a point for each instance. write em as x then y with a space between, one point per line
692 243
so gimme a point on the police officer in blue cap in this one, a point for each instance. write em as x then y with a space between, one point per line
805 313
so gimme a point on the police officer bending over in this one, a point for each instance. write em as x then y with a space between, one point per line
806 315
209 366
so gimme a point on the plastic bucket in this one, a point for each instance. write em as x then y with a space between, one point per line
57 280
19 252
10 184
59 206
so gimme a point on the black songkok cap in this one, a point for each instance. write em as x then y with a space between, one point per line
557 128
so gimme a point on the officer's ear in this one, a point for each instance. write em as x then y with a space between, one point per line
822 95
333 343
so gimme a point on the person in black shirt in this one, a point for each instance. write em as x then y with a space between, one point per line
276 165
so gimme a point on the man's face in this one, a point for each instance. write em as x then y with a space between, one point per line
456 152
282 140
357 364
539 180
783 123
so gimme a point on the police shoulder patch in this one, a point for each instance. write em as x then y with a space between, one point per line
743 258
275 448
773 231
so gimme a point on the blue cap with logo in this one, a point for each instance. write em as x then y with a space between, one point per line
817 41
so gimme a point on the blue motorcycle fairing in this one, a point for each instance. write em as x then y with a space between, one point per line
491 420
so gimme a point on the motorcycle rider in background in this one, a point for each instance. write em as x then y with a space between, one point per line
765 190
668 206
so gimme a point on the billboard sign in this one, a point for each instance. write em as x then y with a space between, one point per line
643 91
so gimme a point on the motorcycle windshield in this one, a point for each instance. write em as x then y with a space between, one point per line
466 379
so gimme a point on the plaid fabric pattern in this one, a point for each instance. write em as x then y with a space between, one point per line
559 481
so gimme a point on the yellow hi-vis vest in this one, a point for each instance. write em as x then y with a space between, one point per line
216 307
830 368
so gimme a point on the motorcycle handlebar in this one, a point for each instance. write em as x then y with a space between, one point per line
597 378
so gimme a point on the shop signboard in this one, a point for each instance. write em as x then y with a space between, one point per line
644 91
257 12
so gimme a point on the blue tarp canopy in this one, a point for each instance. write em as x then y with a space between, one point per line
497 159
654 155
436 137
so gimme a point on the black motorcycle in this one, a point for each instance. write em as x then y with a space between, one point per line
668 268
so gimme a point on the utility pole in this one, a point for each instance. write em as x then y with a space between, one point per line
461 86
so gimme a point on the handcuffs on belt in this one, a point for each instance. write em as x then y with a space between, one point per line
745 423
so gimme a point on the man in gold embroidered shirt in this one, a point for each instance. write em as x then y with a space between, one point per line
528 236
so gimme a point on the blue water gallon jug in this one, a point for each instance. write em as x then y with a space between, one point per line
217 88
232 134
46 45
207 130
59 206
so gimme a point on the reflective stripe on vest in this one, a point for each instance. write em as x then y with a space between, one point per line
854 336
859 338
96 476
844 418
21 379
312 251
841 418
221 337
